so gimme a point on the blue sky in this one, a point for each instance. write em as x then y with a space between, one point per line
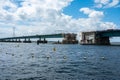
73 8
31 17
112 14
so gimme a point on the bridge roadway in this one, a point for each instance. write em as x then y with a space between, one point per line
37 36
108 33
27 38
68 38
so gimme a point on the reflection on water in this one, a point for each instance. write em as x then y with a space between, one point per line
58 62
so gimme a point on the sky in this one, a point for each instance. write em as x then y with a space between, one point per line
31 17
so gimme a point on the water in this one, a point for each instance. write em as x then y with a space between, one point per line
65 62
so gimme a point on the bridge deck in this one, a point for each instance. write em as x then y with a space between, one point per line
109 33
37 36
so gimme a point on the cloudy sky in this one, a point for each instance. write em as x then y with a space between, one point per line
30 17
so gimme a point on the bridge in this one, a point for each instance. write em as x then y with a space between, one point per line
69 38
99 37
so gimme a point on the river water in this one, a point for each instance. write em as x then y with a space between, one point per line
29 61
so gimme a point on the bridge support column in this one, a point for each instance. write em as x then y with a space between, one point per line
38 41
29 41
44 41
12 40
102 41
25 41
8 40
19 40
88 38
2 40
41 41
16 40
92 38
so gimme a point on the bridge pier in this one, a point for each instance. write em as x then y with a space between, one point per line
12 40
38 41
15 40
44 41
103 41
93 38
19 40
41 41
9 40
70 39
2 41
27 41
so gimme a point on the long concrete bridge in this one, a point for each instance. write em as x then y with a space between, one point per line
68 38
99 37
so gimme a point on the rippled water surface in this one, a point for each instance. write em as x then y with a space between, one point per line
58 62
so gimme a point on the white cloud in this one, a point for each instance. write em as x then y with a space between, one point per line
102 1
106 3
92 13
113 3
46 16
94 20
